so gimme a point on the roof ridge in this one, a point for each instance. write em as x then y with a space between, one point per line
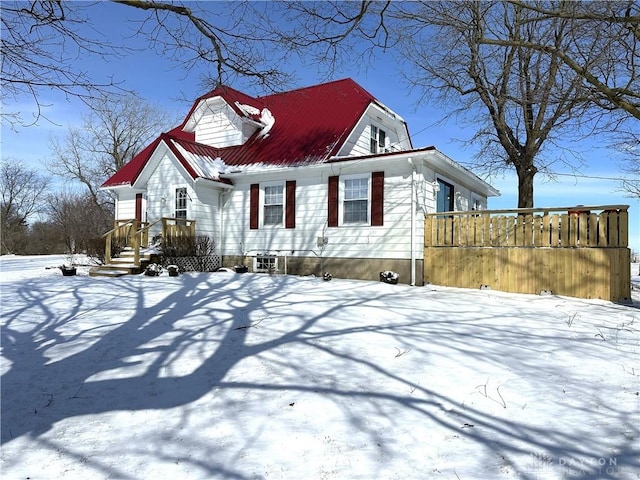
223 89
317 85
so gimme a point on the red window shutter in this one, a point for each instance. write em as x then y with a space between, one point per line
377 199
332 214
290 212
254 202
139 207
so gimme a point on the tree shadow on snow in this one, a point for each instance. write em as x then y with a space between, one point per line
64 363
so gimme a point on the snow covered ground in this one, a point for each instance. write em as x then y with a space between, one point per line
246 376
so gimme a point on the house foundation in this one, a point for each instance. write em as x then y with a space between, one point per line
351 268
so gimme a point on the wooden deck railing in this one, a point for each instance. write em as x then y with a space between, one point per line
123 233
544 227
135 234
174 228
576 251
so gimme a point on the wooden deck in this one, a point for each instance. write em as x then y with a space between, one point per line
574 251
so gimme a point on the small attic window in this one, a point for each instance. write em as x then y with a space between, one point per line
378 140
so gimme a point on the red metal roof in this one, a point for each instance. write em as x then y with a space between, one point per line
311 124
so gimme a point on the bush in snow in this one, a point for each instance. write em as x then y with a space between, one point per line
389 277
153 270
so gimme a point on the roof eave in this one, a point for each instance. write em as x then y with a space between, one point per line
223 183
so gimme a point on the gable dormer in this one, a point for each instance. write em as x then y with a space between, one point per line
379 130
226 118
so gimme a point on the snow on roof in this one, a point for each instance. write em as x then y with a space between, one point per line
204 165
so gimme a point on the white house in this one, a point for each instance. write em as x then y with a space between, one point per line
323 178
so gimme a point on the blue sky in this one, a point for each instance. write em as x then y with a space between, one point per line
163 82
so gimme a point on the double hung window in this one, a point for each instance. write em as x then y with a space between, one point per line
356 200
273 204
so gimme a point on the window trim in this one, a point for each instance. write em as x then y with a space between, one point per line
341 199
452 204
265 257
263 204
375 206
186 203
376 136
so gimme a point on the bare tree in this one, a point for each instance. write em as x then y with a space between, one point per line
45 41
239 39
610 29
81 222
44 237
42 48
23 192
111 133
629 149
604 49
520 100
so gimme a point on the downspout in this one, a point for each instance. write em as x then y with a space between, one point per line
221 224
413 223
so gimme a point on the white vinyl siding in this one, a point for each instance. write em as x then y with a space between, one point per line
202 206
392 240
221 127
125 205
350 241
359 141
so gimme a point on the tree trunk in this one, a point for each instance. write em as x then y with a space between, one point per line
525 186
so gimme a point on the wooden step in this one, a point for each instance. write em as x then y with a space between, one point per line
124 264
115 270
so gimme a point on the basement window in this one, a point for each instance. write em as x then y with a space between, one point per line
265 263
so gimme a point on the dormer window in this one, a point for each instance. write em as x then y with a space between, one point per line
378 140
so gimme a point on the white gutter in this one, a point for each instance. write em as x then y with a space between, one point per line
221 193
211 183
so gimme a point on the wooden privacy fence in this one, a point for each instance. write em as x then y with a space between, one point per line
575 251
